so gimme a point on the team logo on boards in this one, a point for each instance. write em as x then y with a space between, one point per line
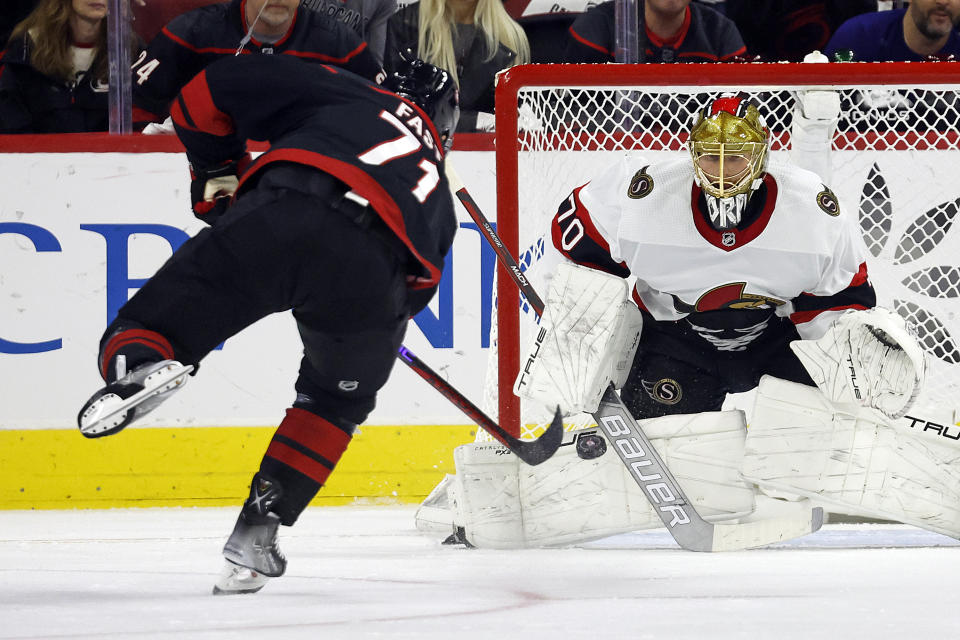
827 202
641 184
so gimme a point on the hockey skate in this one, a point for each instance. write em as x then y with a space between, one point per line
130 397
252 553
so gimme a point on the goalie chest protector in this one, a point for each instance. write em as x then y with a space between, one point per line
646 217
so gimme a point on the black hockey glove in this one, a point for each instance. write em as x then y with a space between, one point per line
212 189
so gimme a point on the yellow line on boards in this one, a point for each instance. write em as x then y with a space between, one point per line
210 466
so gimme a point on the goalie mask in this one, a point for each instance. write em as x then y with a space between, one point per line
729 143
433 90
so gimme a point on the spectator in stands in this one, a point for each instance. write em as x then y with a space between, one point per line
368 18
194 39
672 31
924 30
54 73
471 39
787 30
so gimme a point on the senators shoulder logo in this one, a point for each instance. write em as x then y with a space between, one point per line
827 202
641 184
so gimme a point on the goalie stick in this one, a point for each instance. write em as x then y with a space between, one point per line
533 452
640 458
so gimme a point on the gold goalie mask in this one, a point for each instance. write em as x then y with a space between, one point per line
729 143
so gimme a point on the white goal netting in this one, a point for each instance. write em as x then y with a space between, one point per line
894 159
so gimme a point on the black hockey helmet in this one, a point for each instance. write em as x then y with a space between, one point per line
433 90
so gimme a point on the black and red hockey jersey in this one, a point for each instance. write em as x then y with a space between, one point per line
196 38
706 36
384 147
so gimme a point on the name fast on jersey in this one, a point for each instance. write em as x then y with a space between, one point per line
414 122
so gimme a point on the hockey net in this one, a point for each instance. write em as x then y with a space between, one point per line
895 159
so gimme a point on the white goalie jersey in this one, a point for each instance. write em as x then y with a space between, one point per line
797 252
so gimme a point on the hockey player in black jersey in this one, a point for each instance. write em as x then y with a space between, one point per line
345 220
197 38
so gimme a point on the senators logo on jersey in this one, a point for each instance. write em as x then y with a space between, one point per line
641 184
664 391
727 296
827 202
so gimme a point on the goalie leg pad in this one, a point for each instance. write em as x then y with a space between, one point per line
434 515
852 462
503 503
588 334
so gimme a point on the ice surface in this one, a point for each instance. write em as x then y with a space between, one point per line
365 572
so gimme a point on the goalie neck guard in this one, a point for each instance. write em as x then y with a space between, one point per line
728 143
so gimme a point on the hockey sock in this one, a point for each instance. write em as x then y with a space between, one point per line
301 456
137 346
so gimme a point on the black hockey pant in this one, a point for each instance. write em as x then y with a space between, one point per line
676 370
278 249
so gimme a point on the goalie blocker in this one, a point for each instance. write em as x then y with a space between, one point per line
588 335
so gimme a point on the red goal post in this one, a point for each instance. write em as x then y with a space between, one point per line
895 157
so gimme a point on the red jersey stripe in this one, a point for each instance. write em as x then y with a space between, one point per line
592 45
201 111
328 58
806 316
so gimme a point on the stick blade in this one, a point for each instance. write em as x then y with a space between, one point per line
533 452
750 535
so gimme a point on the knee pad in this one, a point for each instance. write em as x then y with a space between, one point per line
341 406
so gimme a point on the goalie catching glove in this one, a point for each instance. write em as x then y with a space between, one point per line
868 359
211 189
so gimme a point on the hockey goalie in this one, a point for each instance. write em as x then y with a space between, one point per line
681 282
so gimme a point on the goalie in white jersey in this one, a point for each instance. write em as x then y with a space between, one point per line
733 255
744 269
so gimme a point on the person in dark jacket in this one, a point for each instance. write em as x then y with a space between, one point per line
923 30
367 17
53 71
471 39
194 39
787 30
345 220
671 31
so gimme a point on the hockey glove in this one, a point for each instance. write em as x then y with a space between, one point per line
212 189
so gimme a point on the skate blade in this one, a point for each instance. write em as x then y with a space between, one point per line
94 423
235 580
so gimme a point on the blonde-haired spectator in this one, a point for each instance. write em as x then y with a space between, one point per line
472 39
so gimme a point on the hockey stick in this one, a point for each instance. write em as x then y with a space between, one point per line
641 459
533 452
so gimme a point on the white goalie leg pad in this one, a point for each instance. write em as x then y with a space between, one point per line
900 470
503 503
587 337
866 359
434 514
